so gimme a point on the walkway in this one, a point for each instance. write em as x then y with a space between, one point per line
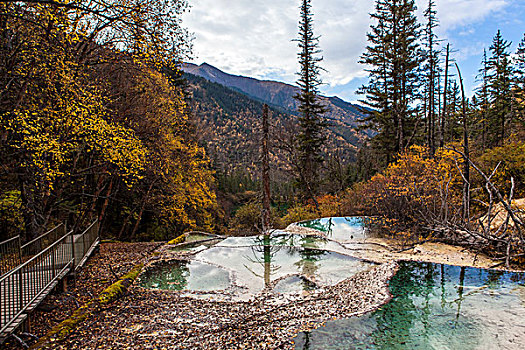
23 287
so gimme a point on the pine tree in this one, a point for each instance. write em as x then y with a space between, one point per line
499 86
310 138
482 99
520 79
393 57
431 71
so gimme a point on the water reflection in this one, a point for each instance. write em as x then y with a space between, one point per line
296 263
300 250
263 253
435 307
343 228
182 275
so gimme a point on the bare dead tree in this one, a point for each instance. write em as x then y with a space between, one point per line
509 239
466 153
265 160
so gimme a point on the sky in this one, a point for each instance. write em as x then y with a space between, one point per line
254 37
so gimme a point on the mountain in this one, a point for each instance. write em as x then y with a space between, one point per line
227 118
277 94
227 123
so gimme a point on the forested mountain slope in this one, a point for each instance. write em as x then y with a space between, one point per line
228 119
275 93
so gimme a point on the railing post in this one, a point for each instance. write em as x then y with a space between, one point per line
20 288
53 262
19 250
98 231
73 250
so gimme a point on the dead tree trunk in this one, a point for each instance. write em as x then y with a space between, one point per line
466 169
265 160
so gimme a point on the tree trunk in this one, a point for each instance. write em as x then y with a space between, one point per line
265 158
444 111
141 211
28 210
466 169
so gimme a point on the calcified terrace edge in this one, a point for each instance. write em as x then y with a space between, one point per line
382 250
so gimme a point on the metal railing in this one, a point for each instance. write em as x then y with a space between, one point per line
24 285
85 242
13 253
10 254
43 241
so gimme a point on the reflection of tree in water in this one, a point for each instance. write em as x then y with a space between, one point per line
319 224
494 278
308 264
412 311
370 225
263 253
267 247
329 226
427 312
306 345
396 318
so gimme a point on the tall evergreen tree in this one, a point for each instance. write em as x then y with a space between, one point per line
499 85
393 60
520 64
431 72
520 79
310 138
482 99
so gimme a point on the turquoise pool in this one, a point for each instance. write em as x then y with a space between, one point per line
435 306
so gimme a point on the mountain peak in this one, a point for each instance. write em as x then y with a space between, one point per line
277 94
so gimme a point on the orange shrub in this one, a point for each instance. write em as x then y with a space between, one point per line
414 191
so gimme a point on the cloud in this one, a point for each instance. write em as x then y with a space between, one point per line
456 13
249 38
254 37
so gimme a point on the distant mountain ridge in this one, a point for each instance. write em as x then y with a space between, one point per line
276 94
227 111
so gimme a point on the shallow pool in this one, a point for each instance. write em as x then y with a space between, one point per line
245 266
181 275
435 307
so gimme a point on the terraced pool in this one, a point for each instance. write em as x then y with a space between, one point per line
435 307
246 266
343 229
